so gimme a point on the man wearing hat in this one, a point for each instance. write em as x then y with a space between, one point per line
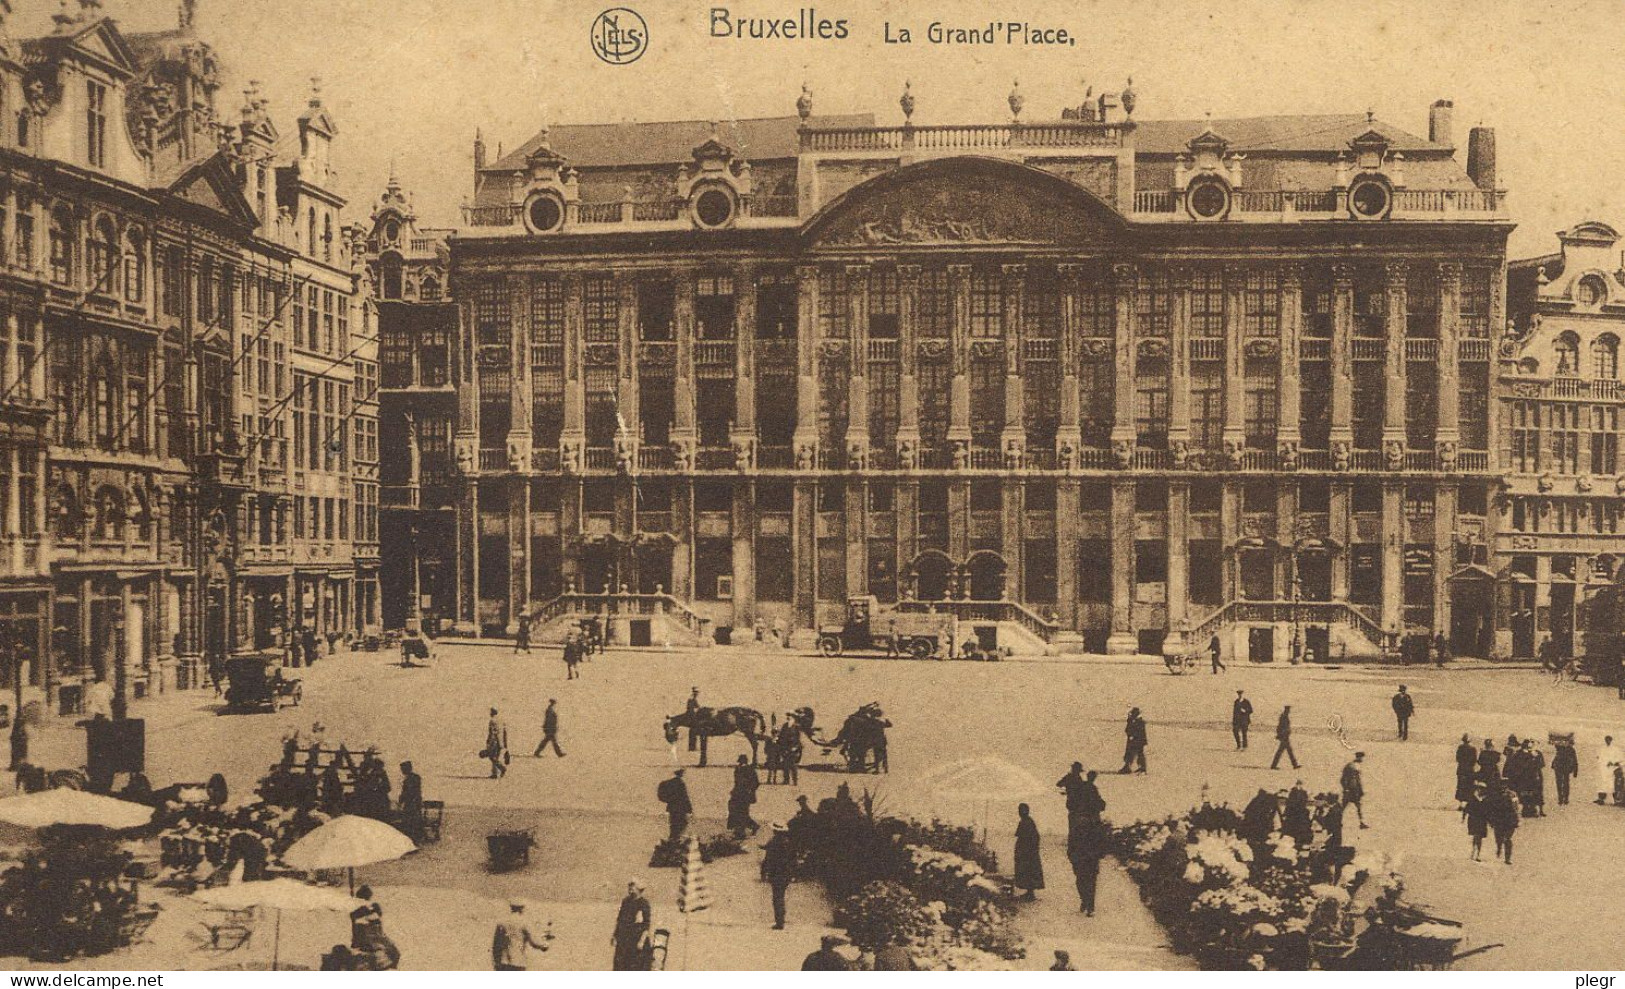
674 794
631 937
1353 784
1134 747
778 868
828 957
692 706
1241 719
512 939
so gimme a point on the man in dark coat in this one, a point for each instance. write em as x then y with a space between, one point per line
1135 742
1283 739
521 639
1403 707
1241 719
1353 784
1258 819
693 705
550 730
1029 864
790 752
1489 762
1296 821
411 803
1083 799
674 794
1215 653
827 958
1466 767
740 799
778 869
632 923
1565 769
1085 847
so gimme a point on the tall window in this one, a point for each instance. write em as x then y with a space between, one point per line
714 307
1566 354
1098 382
1525 450
1097 311
1370 304
135 267
1207 405
1151 403
1260 408
103 256
1475 407
61 246
1317 303
936 313
601 310
986 304
1475 302
1153 304
1262 304
1604 439
1565 448
883 305
1369 404
777 306
96 123
1422 303
1041 310
1207 303
1605 357
834 305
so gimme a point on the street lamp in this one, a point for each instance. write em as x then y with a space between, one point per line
15 653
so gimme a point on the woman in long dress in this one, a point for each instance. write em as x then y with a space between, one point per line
1029 864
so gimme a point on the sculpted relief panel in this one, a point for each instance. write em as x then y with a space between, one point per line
966 208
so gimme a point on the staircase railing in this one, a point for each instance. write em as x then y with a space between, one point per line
616 605
989 611
1318 612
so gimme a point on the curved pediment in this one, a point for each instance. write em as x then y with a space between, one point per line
964 200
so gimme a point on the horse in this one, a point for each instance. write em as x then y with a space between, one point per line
862 734
706 722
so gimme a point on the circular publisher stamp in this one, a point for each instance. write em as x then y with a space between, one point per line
620 36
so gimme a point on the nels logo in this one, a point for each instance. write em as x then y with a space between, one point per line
619 36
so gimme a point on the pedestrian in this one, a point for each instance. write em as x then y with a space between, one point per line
828 957
1353 783
1503 815
1476 813
1283 739
1241 717
1215 653
1404 706
1258 820
1063 962
889 639
1441 650
790 752
1466 766
512 940
1533 793
1083 799
1489 762
1296 821
1608 759
572 656
778 869
674 794
1084 848
411 803
521 639
496 746
1029 863
741 797
1135 742
331 788
692 707
632 924
550 730
1565 769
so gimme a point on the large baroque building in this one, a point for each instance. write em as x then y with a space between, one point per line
1561 521
179 374
1093 382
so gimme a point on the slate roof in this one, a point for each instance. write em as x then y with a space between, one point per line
1302 134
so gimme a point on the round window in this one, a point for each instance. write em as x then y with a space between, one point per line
1208 199
392 231
1370 199
545 213
1590 291
713 207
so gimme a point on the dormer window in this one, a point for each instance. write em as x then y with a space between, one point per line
96 124
713 207
1591 292
1208 198
1370 198
544 213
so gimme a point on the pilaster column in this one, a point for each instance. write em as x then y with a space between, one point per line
12 484
518 547
1393 418
1448 437
857 423
1341 524
907 503
857 544
1288 436
575 394
1393 557
744 355
682 551
804 521
1179 503
959 279
626 386
1179 386
806 434
1444 553
37 372
1122 641
1015 366
958 521
1125 281
1230 538
11 369
1068 513
908 420
744 555
684 429
519 437
1342 429
1235 379
1069 433
1013 538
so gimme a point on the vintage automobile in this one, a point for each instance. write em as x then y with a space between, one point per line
257 683
871 628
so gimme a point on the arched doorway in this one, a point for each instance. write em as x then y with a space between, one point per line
986 572
933 576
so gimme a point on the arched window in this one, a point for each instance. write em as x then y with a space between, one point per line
135 266
65 515
1567 353
110 515
431 289
327 238
104 257
1605 357
390 275
310 239
61 245
104 404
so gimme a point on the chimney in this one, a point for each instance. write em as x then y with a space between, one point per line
1439 123
479 150
1481 157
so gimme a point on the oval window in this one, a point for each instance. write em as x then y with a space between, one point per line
1370 199
545 213
1209 199
714 208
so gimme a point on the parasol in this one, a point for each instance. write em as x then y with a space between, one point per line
278 895
983 781
63 806
346 842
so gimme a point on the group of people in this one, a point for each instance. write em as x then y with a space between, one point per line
370 949
1497 788
333 782
1086 837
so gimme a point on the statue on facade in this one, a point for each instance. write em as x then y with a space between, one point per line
1066 455
1582 484
908 457
1287 455
682 455
1181 452
857 454
1013 454
1233 451
570 456
466 459
1393 454
626 454
806 456
1342 456
1546 482
961 454
1123 453
1447 455
518 456
742 457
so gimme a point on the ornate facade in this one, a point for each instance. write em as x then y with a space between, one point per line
153 261
1561 400
1093 383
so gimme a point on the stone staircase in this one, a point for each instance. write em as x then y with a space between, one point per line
1354 634
672 622
1020 630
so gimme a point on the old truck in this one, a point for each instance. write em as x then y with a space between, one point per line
872 628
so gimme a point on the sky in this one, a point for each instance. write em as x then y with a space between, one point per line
409 81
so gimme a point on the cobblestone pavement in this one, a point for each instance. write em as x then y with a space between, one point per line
597 816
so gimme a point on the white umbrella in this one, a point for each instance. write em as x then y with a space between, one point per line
347 842
983 781
63 806
278 895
